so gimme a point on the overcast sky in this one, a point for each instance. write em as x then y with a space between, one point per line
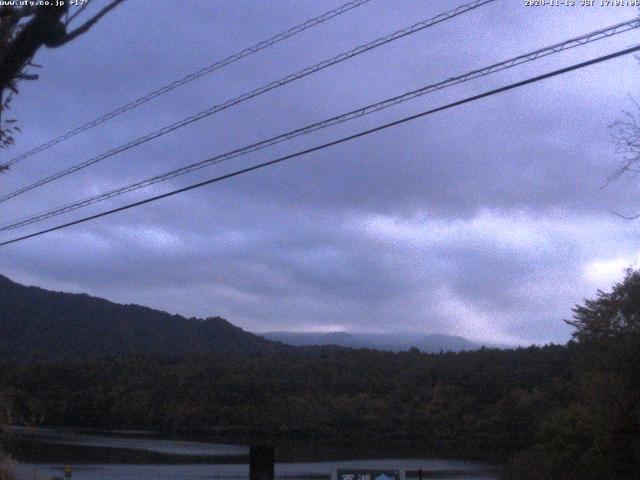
489 220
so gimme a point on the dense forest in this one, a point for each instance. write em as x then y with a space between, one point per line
596 435
553 412
473 404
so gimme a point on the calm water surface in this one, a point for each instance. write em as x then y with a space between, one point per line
142 441
138 440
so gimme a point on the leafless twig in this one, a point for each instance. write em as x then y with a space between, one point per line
88 24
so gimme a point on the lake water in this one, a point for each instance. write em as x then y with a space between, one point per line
129 440
138 455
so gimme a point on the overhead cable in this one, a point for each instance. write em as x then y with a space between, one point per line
254 93
520 59
189 78
332 143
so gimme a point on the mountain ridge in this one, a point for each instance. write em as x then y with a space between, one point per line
42 326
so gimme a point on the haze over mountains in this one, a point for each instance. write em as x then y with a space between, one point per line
393 342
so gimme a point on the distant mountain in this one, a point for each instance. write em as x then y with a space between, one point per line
447 343
38 325
383 341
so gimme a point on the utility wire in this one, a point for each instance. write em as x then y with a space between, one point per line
531 56
254 93
189 78
335 142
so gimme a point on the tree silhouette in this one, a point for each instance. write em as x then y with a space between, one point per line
23 31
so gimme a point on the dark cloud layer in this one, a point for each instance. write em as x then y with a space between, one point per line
488 220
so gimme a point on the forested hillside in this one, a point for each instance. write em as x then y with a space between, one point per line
597 434
555 412
38 325
481 404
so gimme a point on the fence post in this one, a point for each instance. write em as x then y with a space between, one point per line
261 463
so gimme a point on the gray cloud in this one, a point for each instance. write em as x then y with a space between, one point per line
488 220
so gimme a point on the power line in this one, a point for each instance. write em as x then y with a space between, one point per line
520 59
192 76
254 93
335 142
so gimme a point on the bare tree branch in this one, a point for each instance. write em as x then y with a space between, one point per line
27 76
626 138
88 24
44 28
617 214
18 13
24 30
78 12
